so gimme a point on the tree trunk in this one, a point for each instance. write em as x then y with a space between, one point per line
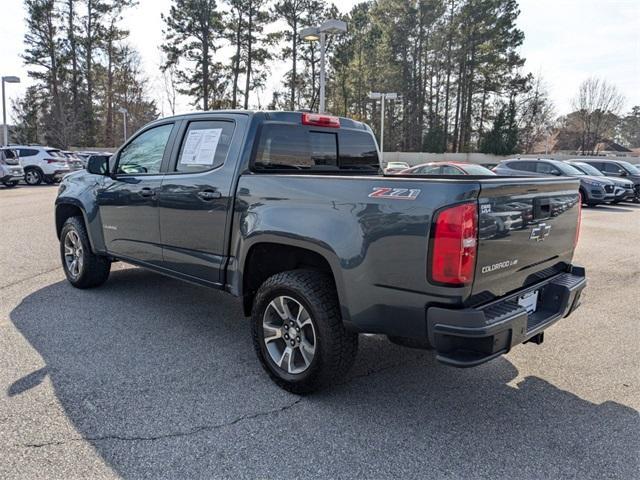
236 62
247 88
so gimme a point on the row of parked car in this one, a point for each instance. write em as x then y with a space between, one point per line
36 164
601 180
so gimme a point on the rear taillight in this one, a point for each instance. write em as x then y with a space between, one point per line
53 160
453 255
320 120
575 242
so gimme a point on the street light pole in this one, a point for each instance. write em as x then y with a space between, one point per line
5 129
313 34
124 112
382 126
382 97
322 80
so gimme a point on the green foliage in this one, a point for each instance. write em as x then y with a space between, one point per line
193 32
76 54
629 128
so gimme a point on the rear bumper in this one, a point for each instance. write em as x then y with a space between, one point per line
469 337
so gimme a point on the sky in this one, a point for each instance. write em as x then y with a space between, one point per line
566 41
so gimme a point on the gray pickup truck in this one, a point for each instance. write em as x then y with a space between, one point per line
289 211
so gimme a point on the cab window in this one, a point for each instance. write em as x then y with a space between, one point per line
144 154
205 146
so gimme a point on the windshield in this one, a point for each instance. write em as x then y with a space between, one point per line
588 169
568 169
10 153
477 170
630 168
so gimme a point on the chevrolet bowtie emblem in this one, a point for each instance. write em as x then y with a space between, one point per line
540 232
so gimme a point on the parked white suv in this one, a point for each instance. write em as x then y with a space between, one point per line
44 164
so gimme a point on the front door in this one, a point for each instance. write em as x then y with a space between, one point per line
196 196
128 201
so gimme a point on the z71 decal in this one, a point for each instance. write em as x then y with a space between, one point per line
395 193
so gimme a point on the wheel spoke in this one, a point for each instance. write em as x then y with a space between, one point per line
302 316
306 355
68 250
290 365
278 307
273 333
306 322
286 352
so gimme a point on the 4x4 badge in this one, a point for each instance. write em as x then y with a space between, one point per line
540 232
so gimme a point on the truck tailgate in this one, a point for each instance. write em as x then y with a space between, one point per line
526 232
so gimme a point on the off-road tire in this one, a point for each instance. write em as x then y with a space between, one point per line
336 347
95 268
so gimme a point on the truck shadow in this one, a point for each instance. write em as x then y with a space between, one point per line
161 379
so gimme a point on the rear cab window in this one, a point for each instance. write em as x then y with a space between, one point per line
290 147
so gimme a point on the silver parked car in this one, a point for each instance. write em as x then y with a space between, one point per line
11 171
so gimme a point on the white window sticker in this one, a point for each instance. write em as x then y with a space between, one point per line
200 147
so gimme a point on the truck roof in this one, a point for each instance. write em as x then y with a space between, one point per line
270 115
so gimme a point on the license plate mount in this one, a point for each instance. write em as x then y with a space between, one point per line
529 301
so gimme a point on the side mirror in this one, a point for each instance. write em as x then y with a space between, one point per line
555 172
623 173
98 165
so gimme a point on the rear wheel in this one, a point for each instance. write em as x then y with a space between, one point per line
33 176
82 267
298 333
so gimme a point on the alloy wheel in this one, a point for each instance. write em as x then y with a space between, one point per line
73 253
32 177
289 334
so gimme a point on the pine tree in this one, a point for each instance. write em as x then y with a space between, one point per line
193 30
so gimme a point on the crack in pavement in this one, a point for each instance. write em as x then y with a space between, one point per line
2 287
192 431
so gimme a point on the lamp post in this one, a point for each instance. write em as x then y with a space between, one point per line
382 97
124 113
313 34
4 108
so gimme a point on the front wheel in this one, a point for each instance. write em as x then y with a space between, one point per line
10 184
82 267
298 333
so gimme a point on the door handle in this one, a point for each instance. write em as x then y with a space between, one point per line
209 194
147 192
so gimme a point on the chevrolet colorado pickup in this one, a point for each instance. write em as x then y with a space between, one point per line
289 212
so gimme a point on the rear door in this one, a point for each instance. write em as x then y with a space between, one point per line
196 195
527 231
128 200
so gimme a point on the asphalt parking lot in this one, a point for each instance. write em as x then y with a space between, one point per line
148 377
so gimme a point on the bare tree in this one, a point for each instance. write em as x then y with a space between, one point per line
170 83
597 105
536 115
